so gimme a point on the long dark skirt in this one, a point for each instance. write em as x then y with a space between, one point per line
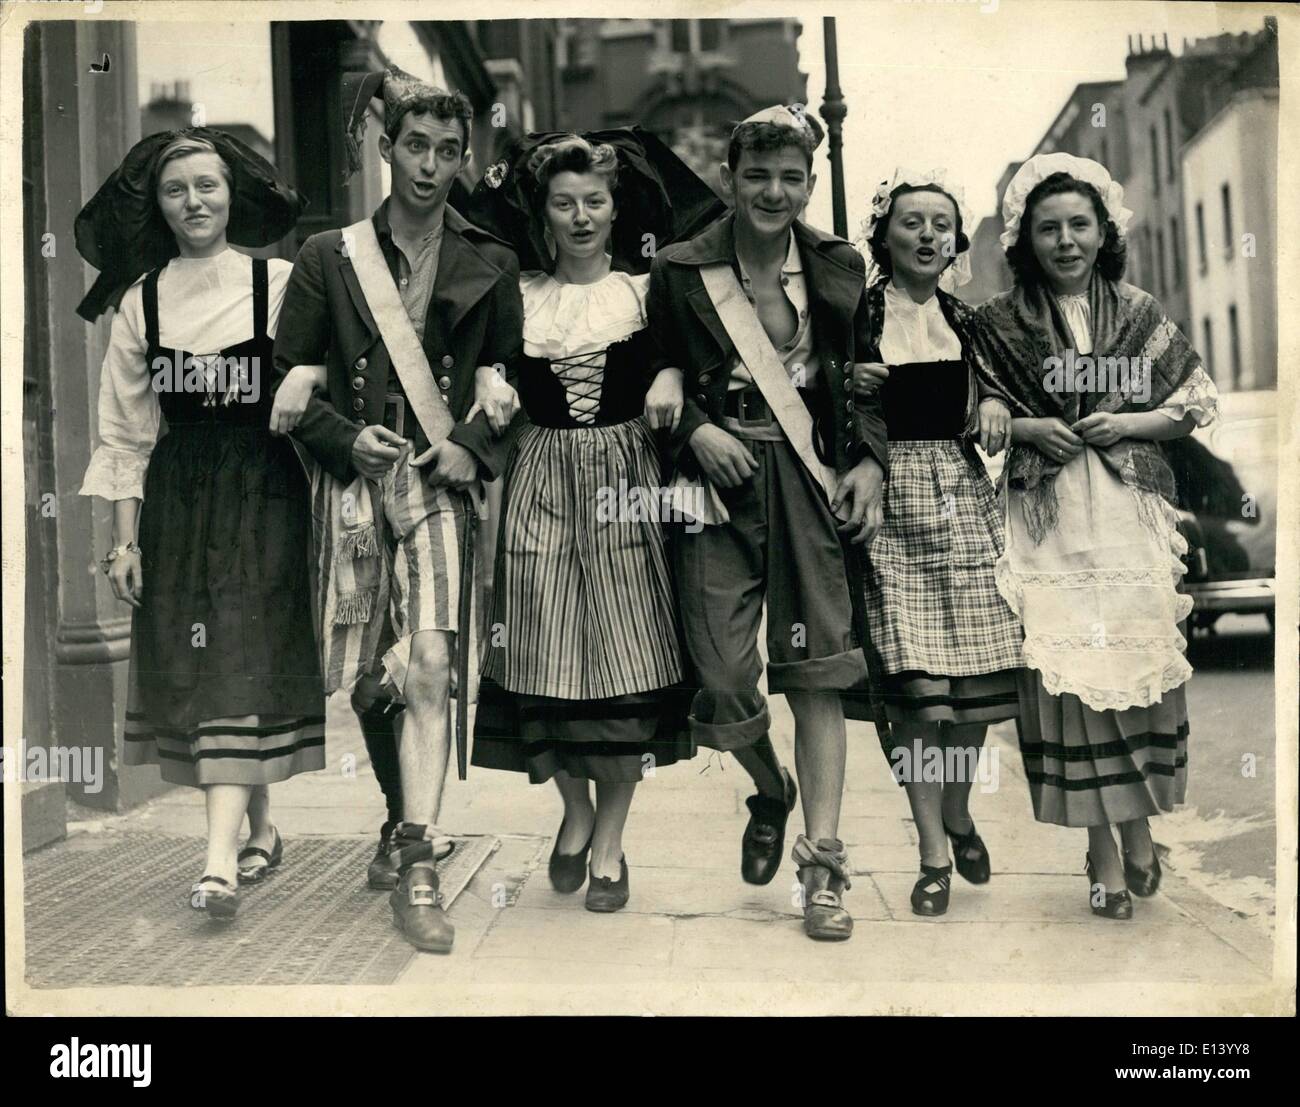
225 675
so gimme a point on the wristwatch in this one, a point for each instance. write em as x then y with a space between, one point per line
116 552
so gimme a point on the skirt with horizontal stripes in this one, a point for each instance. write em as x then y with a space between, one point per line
236 749
919 697
623 739
1089 767
582 666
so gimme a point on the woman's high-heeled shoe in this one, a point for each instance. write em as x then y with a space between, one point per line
976 869
1113 905
568 871
930 893
1140 881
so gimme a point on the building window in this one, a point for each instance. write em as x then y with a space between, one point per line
1160 260
1207 344
1155 161
1226 193
1169 145
691 36
1200 237
1234 345
1176 251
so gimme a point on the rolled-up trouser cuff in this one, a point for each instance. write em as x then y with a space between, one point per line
731 736
837 673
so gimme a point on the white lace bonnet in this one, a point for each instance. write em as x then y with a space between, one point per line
958 273
1041 166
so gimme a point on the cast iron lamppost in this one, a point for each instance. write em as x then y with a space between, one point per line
834 111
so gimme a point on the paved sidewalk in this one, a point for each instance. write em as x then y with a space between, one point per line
695 938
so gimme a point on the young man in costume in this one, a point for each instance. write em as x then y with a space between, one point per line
761 313
415 315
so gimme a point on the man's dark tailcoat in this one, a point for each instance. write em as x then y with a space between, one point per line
475 318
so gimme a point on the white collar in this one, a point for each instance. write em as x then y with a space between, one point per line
903 299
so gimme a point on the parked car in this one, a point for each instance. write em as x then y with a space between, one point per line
1227 482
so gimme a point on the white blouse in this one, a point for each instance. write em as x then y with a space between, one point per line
567 320
1196 396
204 305
571 325
915 332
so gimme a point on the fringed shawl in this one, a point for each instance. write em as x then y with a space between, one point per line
352 578
1019 331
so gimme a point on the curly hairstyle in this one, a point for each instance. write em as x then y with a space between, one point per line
761 137
571 154
443 105
876 243
1112 256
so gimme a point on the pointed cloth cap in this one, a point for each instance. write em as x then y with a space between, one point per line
121 230
656 194
399 90
793 116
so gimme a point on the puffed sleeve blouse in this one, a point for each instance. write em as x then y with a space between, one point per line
204 305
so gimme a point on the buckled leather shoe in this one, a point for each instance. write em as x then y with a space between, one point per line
417 910
382 873
825 918
760 848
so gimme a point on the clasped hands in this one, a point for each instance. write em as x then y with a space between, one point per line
376 448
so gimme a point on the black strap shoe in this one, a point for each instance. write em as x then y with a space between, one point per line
760 848
1140 881
930 892
1104 903
971 854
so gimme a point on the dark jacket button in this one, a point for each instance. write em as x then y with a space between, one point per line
448 361
361 363
701 397
849 405
444 382
358 383
359 422
705 378
848 384
358 404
